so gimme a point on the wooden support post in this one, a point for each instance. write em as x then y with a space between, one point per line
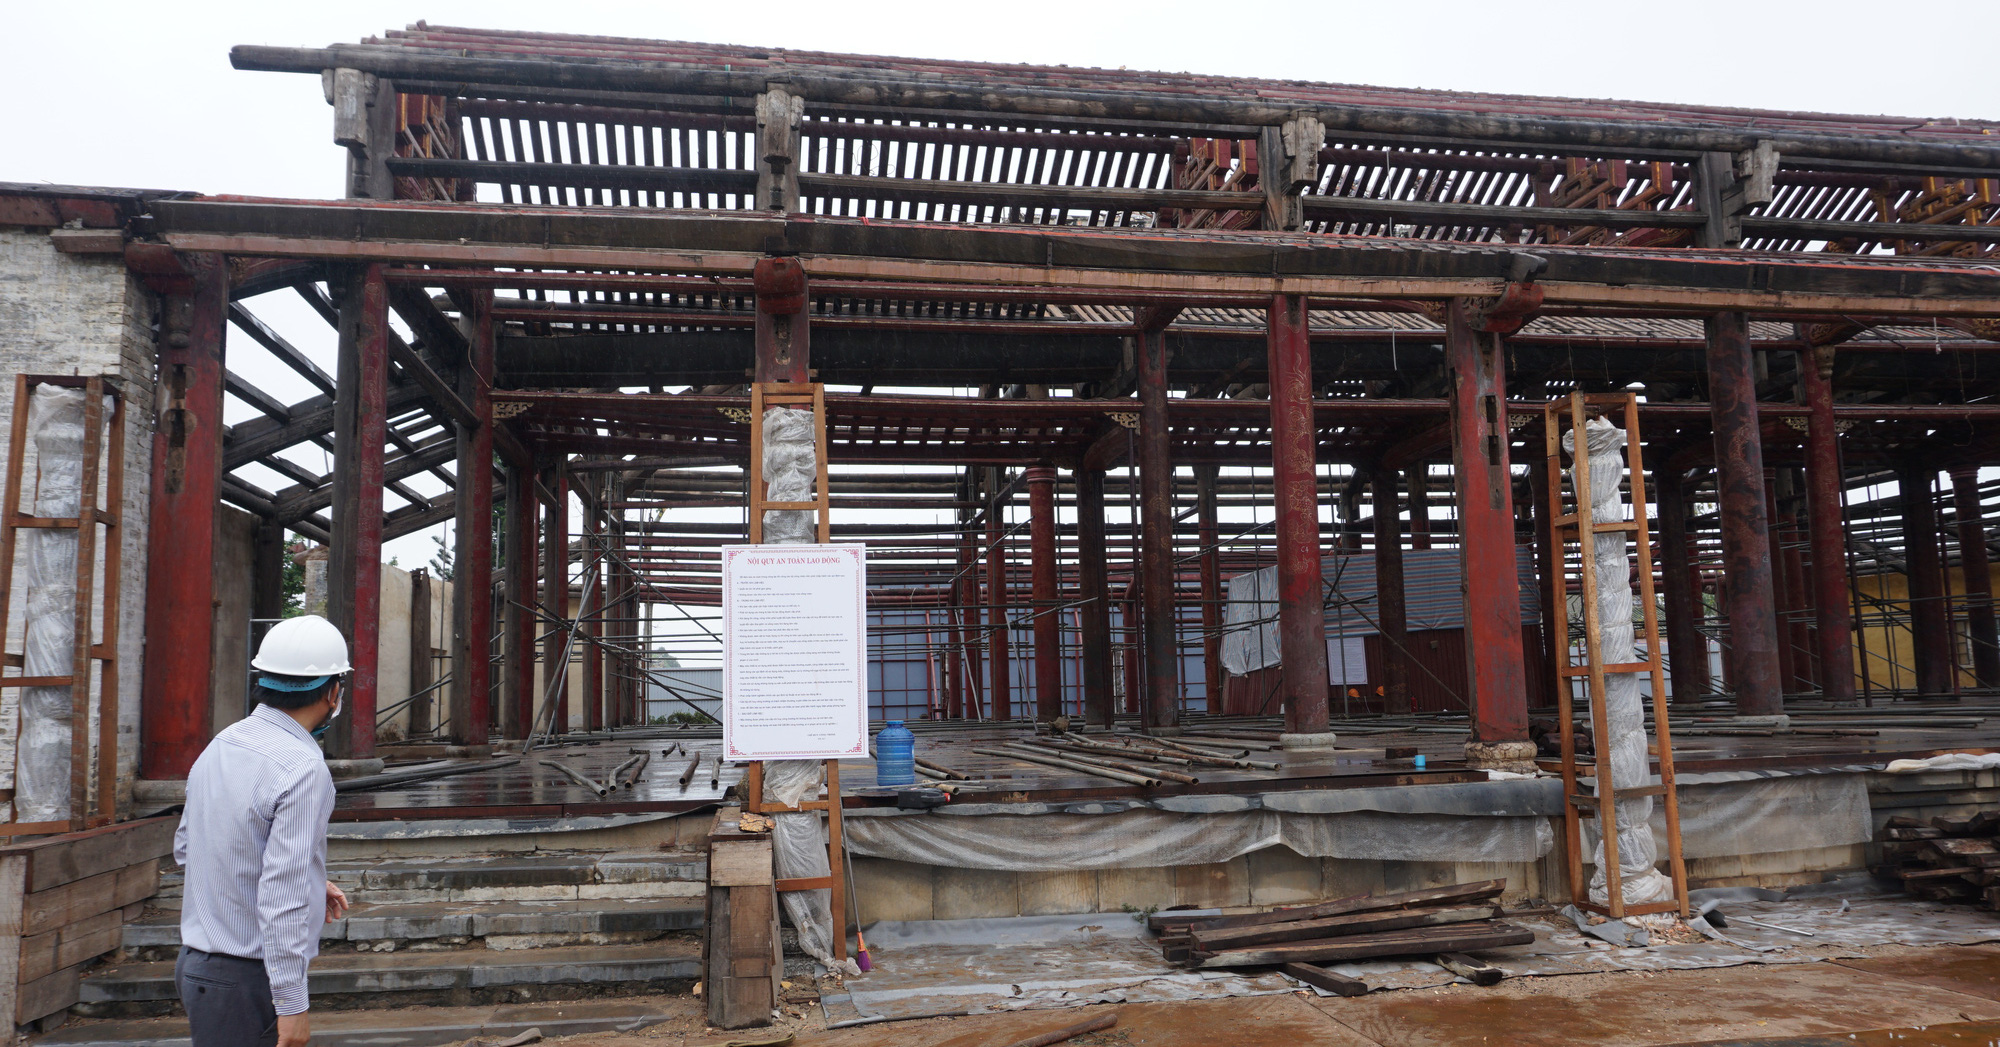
1551 588
1209 534
267 579
1390 617
360 437
1973 560
998 688
1047 622
1418 476
1093 573
590 631
187 477
421 670
1780 588
1485 490
742 958
779 114
1930 619
1824 482
1746 551
555 599
1294 456
471 690
518 621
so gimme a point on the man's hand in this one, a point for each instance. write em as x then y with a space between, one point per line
295 1030
336 906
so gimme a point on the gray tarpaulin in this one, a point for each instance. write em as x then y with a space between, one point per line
1499 821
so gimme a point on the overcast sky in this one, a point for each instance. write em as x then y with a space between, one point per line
129 94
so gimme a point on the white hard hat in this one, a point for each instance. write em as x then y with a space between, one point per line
304 646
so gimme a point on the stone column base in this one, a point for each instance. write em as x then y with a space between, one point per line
1165 732
354 768
1320 740
1518 757
1778 721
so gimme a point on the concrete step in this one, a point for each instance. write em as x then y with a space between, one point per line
496 924
572 876
442 977
414 1027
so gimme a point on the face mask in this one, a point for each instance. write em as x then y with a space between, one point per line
338 704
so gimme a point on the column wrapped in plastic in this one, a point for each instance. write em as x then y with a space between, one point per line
42 775
798 841
1624 711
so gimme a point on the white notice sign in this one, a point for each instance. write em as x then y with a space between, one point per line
794 650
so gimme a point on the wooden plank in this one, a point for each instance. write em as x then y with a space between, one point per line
739 863
13 874
76 856
1464 892
1460 938
46 995
44 954
74 902
1337 984
1359 923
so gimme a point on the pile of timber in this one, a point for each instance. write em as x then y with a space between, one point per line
1440 923
1944 859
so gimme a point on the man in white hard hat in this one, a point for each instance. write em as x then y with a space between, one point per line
253 843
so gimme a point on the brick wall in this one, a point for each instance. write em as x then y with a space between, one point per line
83 315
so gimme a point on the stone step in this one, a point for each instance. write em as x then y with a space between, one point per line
414 1027
503 924
547 877
440 976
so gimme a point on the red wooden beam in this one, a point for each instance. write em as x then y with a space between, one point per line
1048 620
1161 710
472 593
372 437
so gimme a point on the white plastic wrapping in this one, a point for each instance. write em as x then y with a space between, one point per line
1250 622
798 841
1149 839
42 776
791 467
1624 712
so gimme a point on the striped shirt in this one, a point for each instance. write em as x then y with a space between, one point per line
253 843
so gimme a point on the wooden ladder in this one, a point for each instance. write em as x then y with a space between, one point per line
91 514
799 394
1580 527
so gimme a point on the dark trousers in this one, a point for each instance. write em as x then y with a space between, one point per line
228 999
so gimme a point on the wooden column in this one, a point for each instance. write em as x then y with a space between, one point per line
1390 614
471 690
1047 623
180 540
1746 551
1930 619
267 579
1551 586
1687 649
1161 659
1093 580
1294 455
1485 491
1209 533
1978 577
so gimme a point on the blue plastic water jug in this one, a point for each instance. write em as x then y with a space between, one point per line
895 755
